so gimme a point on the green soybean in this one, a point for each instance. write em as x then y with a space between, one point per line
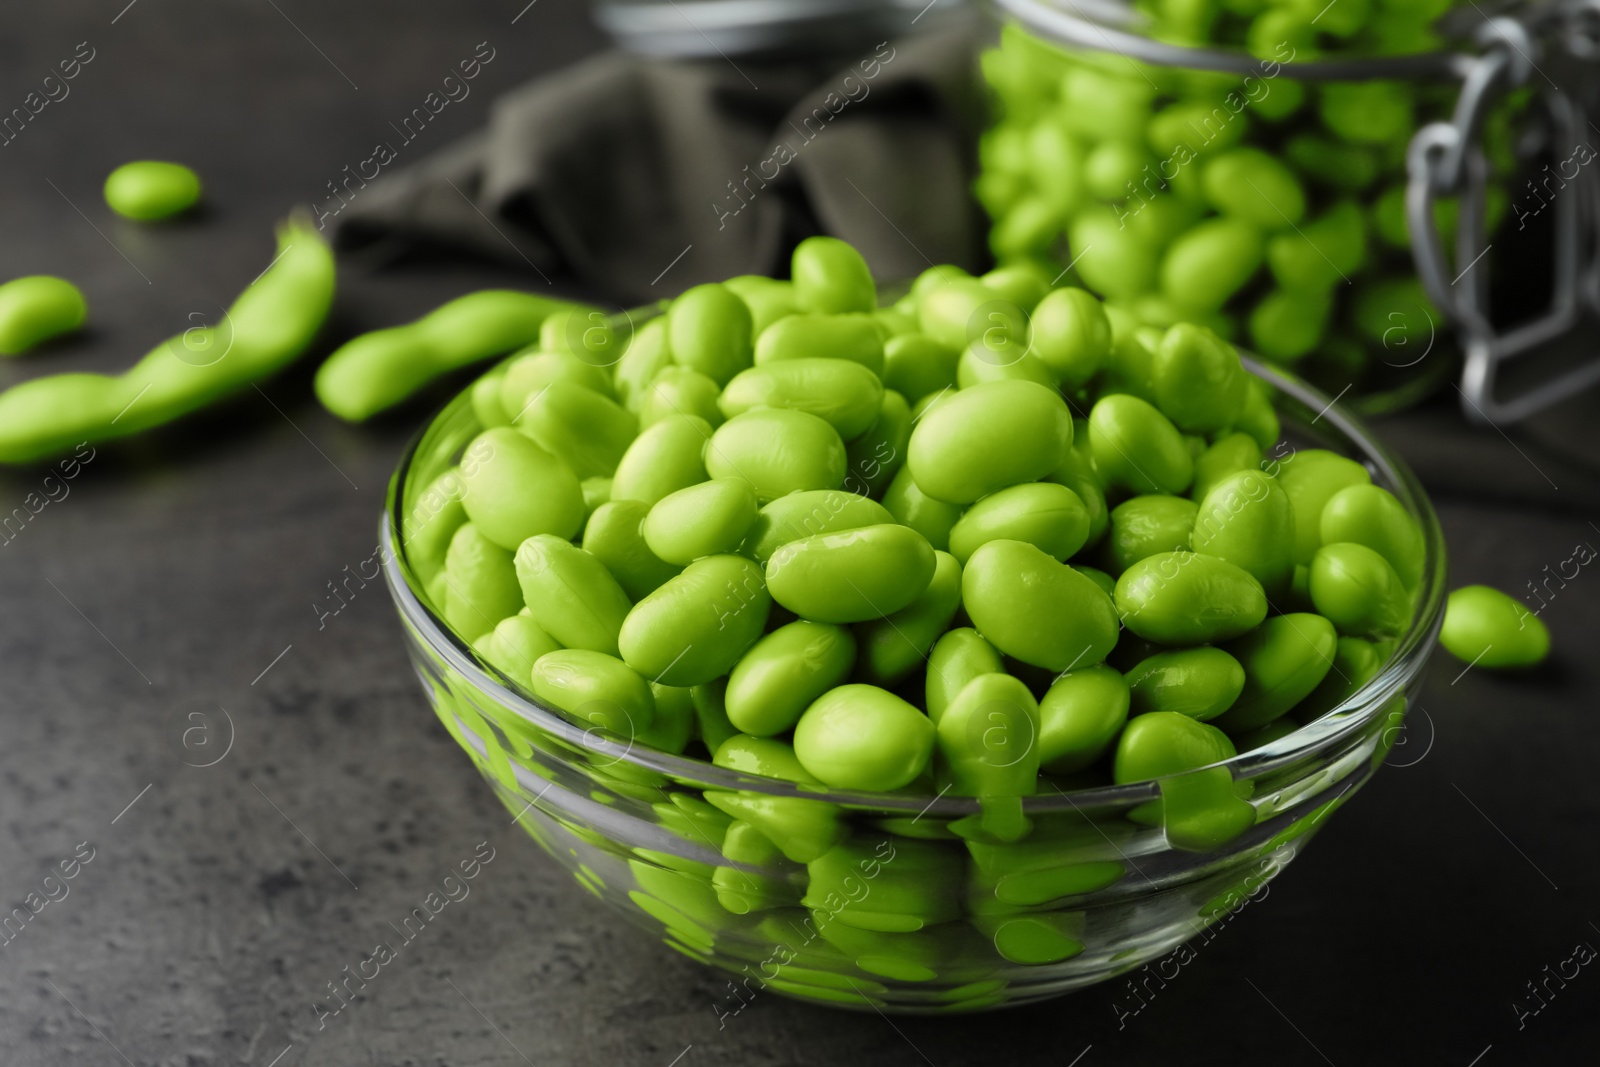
1358 591
486 400
1080 718
1356 661
915 366
847 338
1484 626
784 672
666 456
1037 609
876 455
1112 259
35 309
910 506
1289 324
1371 516
481 584
708 519
527 375
767 298
514 645
516 489
1249 184
778 452
646 356
1228 454
614 535
988 746
1048 516
149 190
830 276
1071 336
694 628
959 656
709 329
571 594
1136 447
1184 598
1201 683
846 395
1310 478
1323 252
1165 743
1144 525
680 391
1207 265
589 431
807 513
596 689
894 646
989 437
863 737
1284 660
1199 381
853 575
1247 520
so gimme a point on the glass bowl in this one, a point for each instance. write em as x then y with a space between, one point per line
901 901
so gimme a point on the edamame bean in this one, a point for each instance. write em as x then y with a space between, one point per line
1357 590
664 458
1199 381
1259 420
480 583
876 455
1247 520
958 656
527 375
694 628
1199 808
863 737
1324 252
1136 447
846 395
711 716
1144 525
1289 324
587 430
709 329
1184 598
1165 743
516 489
915 365
1229 454
1036 608
1071 336
1371 516
1201 683
988 746
1356 662
646 356
486 400
149 190
988 437
1310 478
744 889
830 276
571 594
595 689
1080 717
784 672
850 338
805 514
978 365
1048 516
514 645
1206 266
614 535
910 506
433 521
708 519
767 298
1367 112
35 309
853 575
1284 660
895 646
1249 184
1484 626
778 452
1112 259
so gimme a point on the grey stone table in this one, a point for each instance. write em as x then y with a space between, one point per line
178 574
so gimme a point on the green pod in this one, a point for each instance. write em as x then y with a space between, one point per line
1184 598
1323 252
486 400
1289 324
1071 336
586 430
1249 184
150 190
853 575
515 489
989 437
778 452
767 298
595 689
708 519
1371 516
1247 520
1048 516
1201 683
1484 626
893 647
646 356
1199 381
1111 258
831 277
1206 266
910 506
1227 455
863 737
847 338
915 366
709 329
1284 661
35 309
614 535
1136 447
668 455
1144 525
694 628
571 594
1358 591
1080 718
680 391
1311 478
806 514
514 646
527 375
988 739
481 583
844 394
674 724
875 456
784 672
957 657
1037 609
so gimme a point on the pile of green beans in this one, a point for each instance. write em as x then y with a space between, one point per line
271 323
1270 209
988 541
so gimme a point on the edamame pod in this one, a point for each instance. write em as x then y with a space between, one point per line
844 394
571 594
595 689
830 276
1036 608
1247 520
849 338
894 646
784 672
863 737
1356 589
614 535
853 575
988 437
806 514
587 430
35 309
514 489
664 458
957 658
1484 626
1371 516
709 329
1201 683
778 452
1137 447
1184 598
694 628
1048 516
1080 717
481 584
708 519
1284 660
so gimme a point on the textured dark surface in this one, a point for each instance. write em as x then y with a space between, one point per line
179 567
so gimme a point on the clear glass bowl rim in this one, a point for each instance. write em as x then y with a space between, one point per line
1327 732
